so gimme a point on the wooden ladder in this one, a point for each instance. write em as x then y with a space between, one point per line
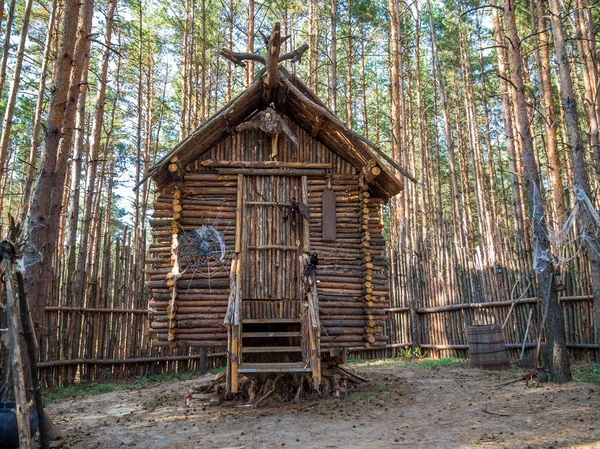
274 337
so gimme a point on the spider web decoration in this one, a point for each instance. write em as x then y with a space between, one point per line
203 249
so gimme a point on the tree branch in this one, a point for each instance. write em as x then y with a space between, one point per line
296 55
239 58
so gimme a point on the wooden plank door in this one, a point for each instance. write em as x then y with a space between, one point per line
273 228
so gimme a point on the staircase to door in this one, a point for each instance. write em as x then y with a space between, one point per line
272 330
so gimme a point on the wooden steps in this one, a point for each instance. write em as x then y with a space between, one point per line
270 334
270 320
259 349
296 367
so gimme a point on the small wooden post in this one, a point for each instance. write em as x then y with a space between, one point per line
12 313
305 221
174 274
241 245
272 60
370 330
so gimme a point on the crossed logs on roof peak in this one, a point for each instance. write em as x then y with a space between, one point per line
272 58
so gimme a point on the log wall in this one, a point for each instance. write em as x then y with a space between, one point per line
352 274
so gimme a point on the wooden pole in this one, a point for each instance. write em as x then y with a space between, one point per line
12 313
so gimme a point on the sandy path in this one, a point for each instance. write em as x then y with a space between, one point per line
406 406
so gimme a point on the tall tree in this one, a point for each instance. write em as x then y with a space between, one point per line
47 194
6 46
333 58
556 356
250 42
37 119
590 229
12 98
542 49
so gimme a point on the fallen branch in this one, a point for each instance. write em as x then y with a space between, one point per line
514 381
270 392
352 374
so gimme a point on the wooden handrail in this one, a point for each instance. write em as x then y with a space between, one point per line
312 319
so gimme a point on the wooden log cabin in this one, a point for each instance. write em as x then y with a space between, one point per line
268 234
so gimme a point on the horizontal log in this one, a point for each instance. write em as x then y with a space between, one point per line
345 323
190 343
263 164
273 171
340 285
199 323
347 311
208 176
93 310
187 213
174 358
194 283
198 316
208 184
203 310
209 297
576 298
197 337
474 305
345 330
398 310
351 304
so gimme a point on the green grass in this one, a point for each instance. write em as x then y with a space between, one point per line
590 373
95 388
440 363
408 357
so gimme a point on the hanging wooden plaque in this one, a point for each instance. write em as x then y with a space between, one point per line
329 218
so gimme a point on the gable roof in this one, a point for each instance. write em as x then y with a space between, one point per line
301 105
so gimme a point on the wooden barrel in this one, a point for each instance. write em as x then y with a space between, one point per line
486 347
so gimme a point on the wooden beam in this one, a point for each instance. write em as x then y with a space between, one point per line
272 60
305 222
175 169
263 164
318 172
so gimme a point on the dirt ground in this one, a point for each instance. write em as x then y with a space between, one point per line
407 405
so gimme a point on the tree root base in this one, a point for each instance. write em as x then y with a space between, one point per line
269 389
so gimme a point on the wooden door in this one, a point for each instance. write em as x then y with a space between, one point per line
272 231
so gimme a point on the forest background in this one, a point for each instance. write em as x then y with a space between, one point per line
493 107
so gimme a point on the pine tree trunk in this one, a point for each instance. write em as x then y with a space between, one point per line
349 61
456 196
556 355
589 71
545 79
589 229
10 102
250 43
365 115
508 131
205 96
47 194
183 132
6 47
230 46
333 58
37 118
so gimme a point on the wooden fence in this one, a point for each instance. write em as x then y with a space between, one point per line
435 295
116 346
441 331
438 290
